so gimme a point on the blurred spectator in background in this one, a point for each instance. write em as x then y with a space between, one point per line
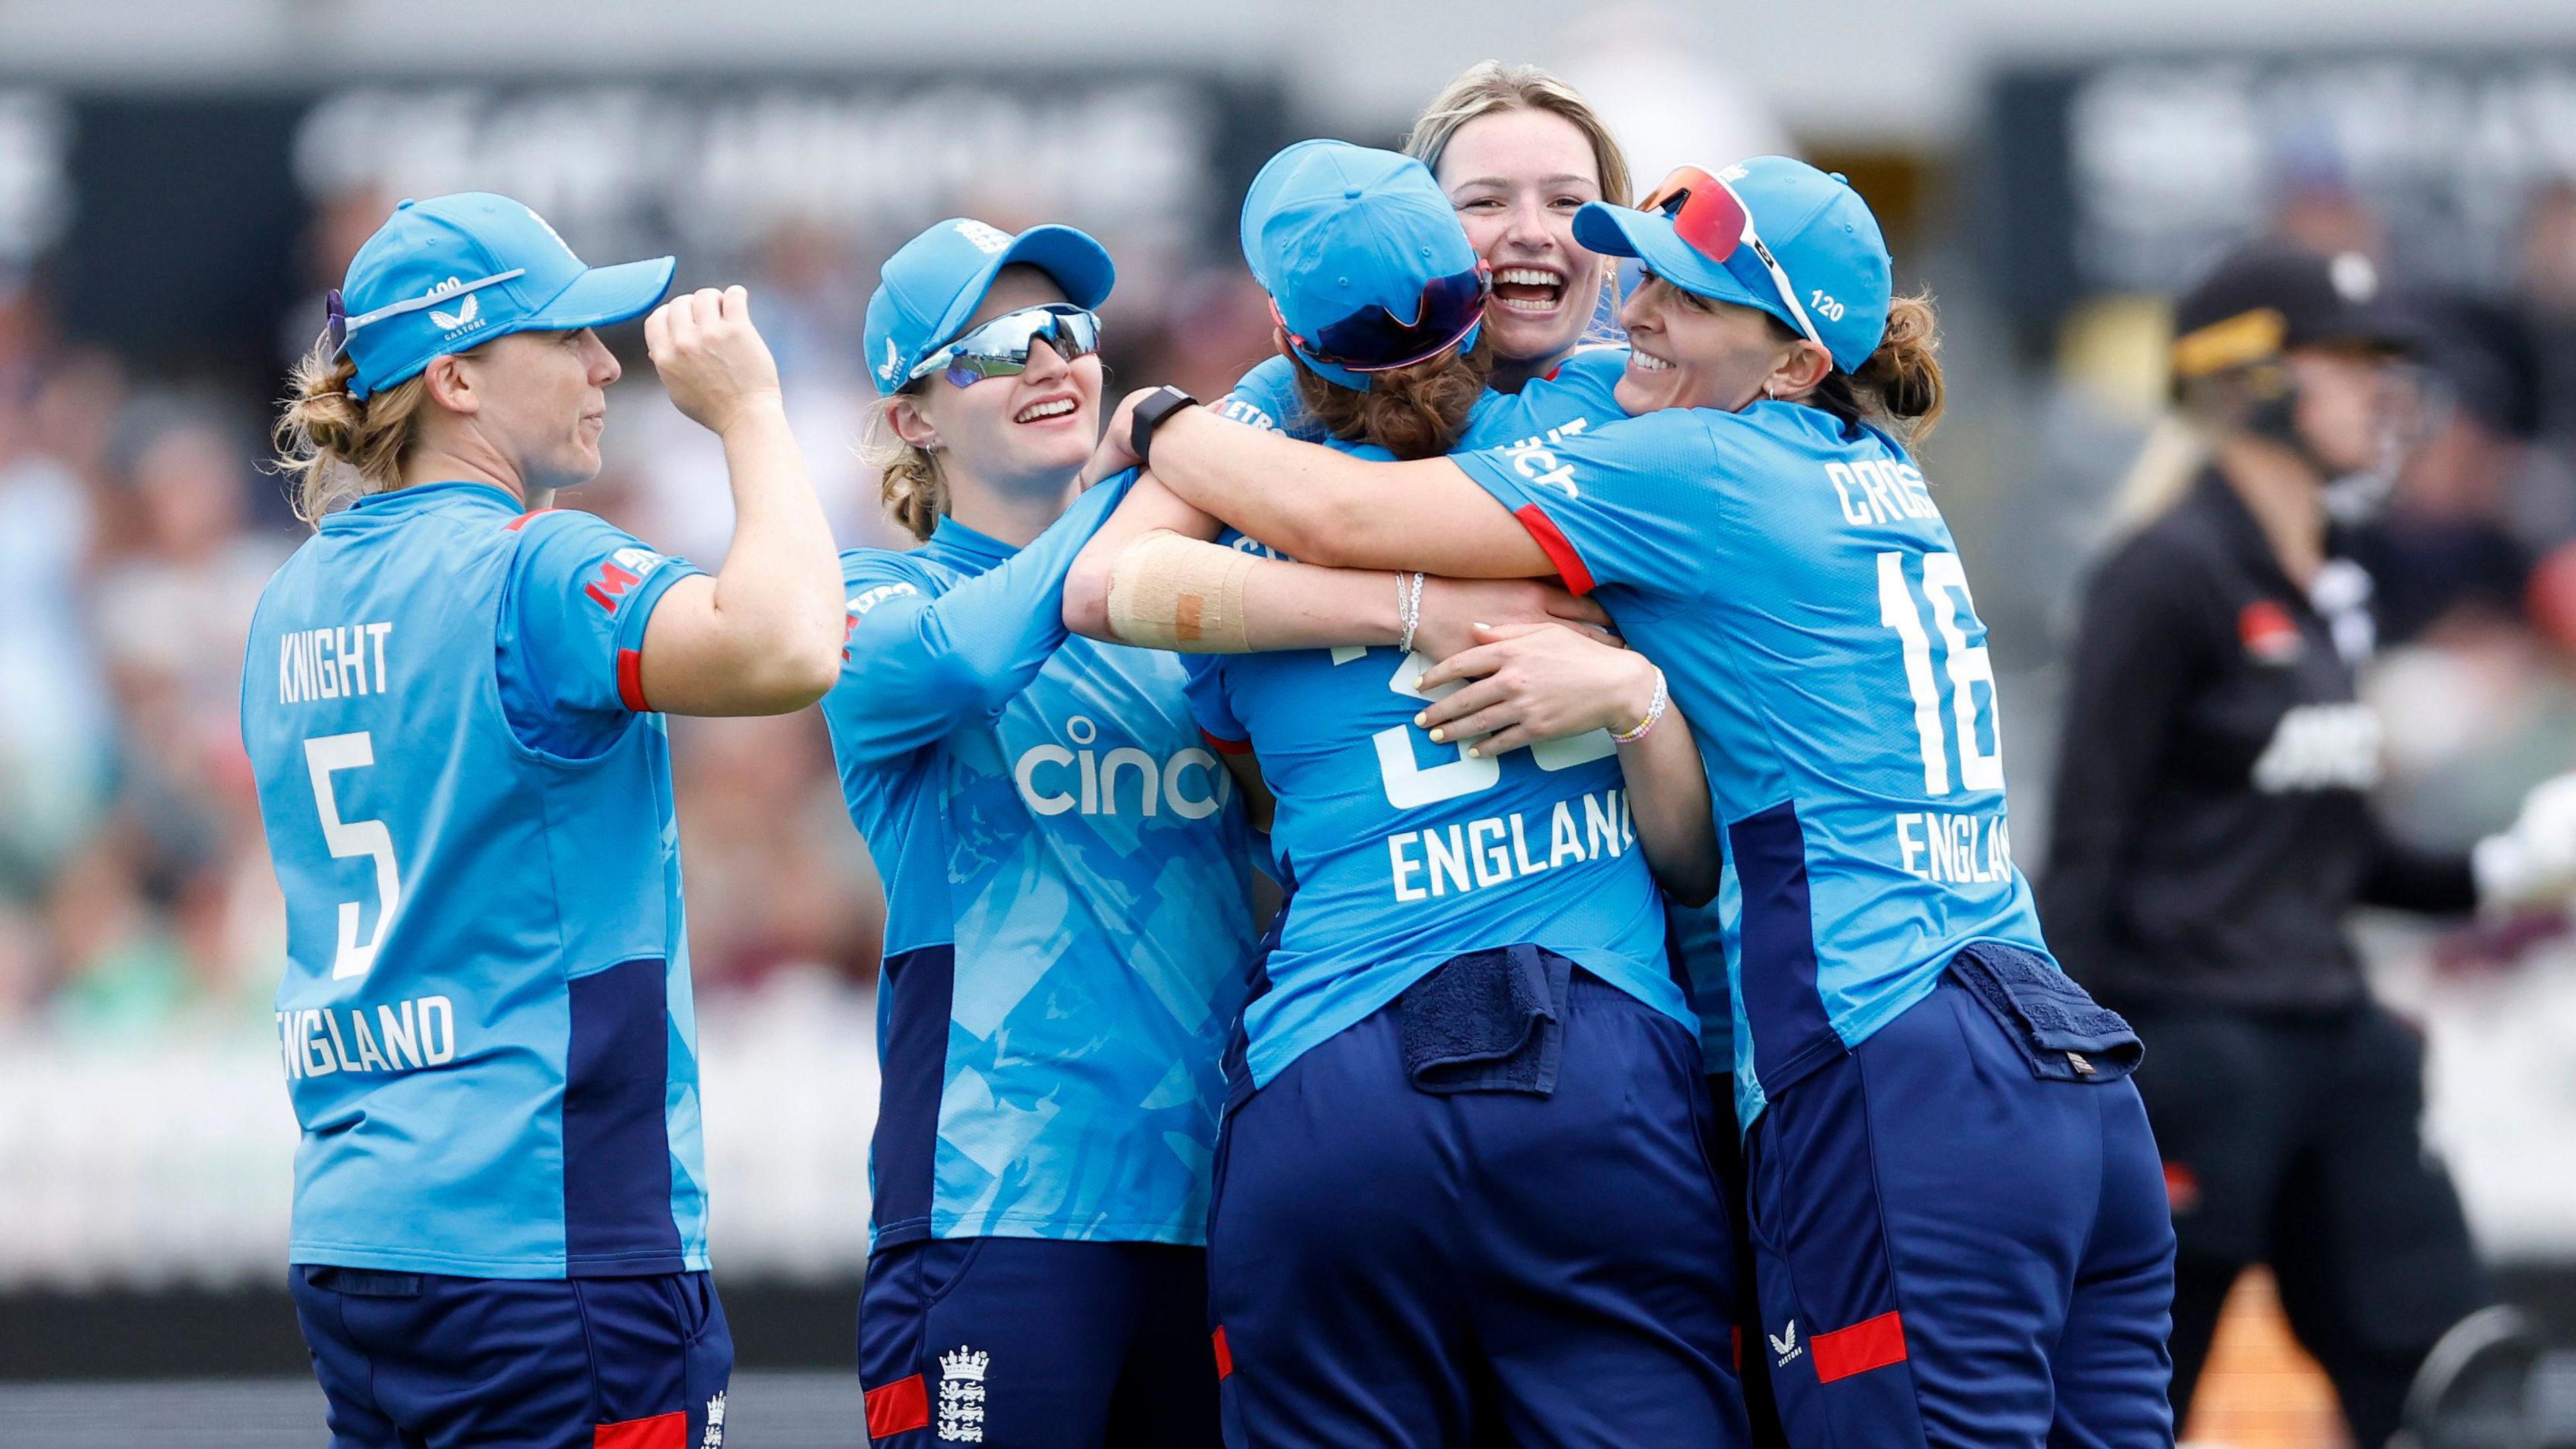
2548 265
1215 327
341 222
806 295
776 876
54 718
2474 502
170 607
2549 282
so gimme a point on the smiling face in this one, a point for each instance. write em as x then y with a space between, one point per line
1025 434
1517 177
1687 351
541 401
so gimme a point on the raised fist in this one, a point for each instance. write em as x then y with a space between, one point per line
712 360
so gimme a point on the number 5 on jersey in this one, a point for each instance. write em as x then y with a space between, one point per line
323 755
1945 588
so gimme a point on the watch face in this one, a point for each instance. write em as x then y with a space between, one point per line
1150 413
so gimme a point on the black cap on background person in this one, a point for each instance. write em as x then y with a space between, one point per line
2238 333
2269 298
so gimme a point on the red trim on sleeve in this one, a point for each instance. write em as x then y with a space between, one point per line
1224 1355
1224 746
515 524
630 680
1868 1344
662 1431
1559 550
897 1408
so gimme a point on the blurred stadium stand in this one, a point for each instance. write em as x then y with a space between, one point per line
179 181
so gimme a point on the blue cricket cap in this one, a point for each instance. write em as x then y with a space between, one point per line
1817 228
1331 229
453 272
934 282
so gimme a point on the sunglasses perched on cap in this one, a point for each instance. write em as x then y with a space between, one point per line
1000 348
1708 216
1374 339
337 324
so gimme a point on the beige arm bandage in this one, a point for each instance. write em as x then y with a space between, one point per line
1170 592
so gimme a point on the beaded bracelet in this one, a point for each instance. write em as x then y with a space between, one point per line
1654 711
1408 609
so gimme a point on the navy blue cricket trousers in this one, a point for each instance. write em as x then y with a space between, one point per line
426 1361
1392 1267
1951 1251
1033 1343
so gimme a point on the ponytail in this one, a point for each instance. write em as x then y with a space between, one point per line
908 476
1418 411
1900 385
338 448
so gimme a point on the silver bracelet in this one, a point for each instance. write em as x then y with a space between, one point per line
1408 609
1654 711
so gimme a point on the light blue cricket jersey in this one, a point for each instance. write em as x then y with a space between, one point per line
1578 388
1402 853
1068 900
485 1018
1798 585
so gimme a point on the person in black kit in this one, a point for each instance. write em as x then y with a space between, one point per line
2212 828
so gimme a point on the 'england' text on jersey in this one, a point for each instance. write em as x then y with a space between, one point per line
407 1035
331 663
1496 848
1951 848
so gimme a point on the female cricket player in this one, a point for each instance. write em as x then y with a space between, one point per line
1069 928
1468 1007
1520 152
2213 828
452 701
1955 1200
1517 152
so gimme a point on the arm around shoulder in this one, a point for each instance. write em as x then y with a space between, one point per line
1322 506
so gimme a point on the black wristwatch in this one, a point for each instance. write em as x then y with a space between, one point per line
1150 414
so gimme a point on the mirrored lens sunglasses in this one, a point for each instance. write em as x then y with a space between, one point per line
1000 348
1374 339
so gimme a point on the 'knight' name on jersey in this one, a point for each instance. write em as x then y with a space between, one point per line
1493 849
318 1041
1955 849
331 663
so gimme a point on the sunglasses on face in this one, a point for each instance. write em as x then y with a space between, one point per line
1713 221
1000 348
1374 339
